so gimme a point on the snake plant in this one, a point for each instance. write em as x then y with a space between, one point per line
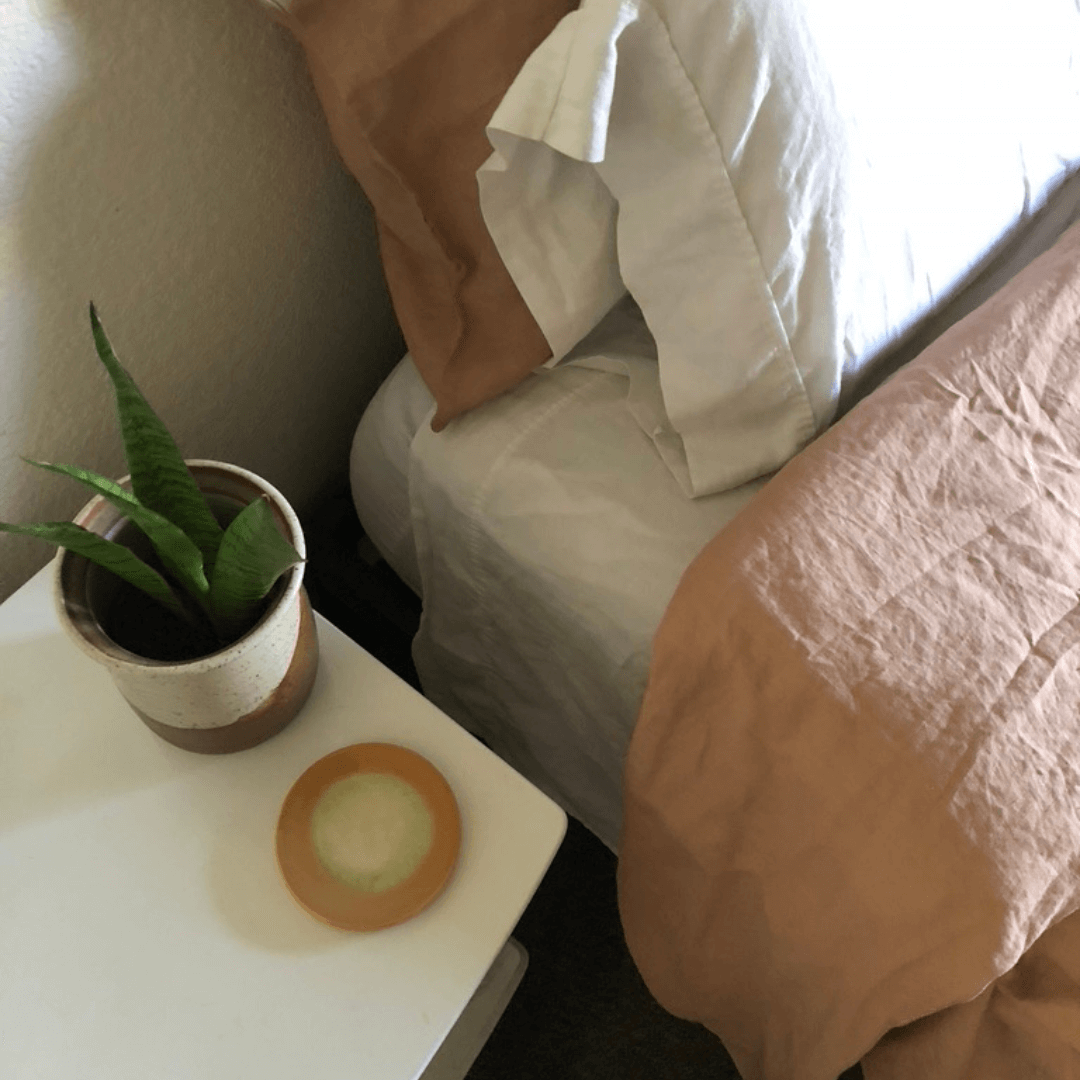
209 575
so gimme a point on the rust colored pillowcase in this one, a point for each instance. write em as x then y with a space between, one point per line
408 87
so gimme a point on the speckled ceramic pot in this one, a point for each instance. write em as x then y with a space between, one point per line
227 700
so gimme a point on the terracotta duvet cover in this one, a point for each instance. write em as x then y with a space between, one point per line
852 798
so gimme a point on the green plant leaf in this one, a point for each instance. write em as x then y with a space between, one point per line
113 557
159 477
177 550
252 556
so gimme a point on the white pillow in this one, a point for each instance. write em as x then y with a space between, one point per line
551 216
793 184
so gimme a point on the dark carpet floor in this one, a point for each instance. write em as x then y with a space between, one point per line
582 1011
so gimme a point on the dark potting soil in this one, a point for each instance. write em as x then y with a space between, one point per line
138 623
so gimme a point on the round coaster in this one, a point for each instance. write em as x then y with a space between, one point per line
368 836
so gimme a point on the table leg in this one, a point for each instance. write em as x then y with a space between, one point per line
467 1037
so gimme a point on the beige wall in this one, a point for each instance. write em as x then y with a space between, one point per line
169 161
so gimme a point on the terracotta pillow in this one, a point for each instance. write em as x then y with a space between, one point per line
408 87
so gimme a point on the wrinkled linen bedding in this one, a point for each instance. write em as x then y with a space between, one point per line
852 796
786 188
559 500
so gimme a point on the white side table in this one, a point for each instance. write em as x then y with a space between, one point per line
145 933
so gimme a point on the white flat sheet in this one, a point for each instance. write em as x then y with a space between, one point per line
546 534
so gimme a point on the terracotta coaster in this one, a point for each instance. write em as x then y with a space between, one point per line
368 836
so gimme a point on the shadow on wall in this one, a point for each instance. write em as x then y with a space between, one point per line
170 162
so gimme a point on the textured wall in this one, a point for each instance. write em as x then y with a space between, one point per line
169 161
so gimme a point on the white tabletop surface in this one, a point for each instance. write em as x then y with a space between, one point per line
145 932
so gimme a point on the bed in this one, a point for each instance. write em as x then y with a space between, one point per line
546 536
647 262
506 524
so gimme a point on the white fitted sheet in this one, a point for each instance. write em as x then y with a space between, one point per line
547 537
546 534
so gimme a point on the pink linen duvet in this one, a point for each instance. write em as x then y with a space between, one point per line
852 800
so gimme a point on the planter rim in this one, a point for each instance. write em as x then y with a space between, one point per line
123 658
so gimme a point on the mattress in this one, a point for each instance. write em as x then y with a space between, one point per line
546 535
